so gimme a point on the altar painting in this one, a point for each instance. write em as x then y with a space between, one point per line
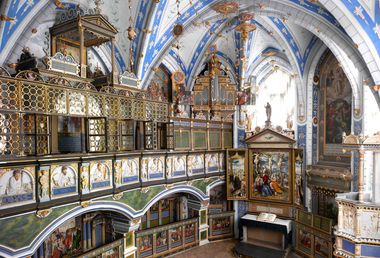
271 176
237 175
65 241
130 171
63 179
298 186
16 186
212 162
100 174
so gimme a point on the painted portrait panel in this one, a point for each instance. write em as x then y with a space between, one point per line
271 176
222 162
195 164
130 171
100 174
63 179
85 178
65 241
175 166
212 162
16 186
153 168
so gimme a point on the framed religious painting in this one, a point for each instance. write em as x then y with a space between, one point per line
271 175
237 174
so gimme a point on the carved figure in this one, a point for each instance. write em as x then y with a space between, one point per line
268 110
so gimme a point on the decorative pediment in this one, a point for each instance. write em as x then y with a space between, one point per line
99 21
269 136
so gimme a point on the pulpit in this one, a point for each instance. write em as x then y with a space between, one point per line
276 234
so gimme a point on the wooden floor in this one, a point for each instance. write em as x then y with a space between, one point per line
219 249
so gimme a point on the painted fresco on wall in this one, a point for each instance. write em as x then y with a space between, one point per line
63 179
212 162
112 253
100 174
338 100
16 185
237 175
152 168
195 164
271 176
85 178
298 186
65 241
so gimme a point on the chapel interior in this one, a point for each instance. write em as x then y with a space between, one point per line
189 128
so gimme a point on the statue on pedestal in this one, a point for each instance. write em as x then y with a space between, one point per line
268 110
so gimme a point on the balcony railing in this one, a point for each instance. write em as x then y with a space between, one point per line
40 183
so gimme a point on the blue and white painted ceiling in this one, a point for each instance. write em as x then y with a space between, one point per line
290 30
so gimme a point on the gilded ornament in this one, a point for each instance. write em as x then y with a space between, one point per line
226 7
117 196
43 213
86 204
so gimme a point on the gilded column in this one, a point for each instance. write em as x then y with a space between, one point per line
361 174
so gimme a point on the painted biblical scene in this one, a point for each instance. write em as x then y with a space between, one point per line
161 241
65 241
146 245
63 180
189 233
176 237
221 226
236 175
100 174
271 177
338 101
304 239
212 162
321 248
298 186
195 164
16 186
130 171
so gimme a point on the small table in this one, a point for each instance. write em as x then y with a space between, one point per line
276 234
